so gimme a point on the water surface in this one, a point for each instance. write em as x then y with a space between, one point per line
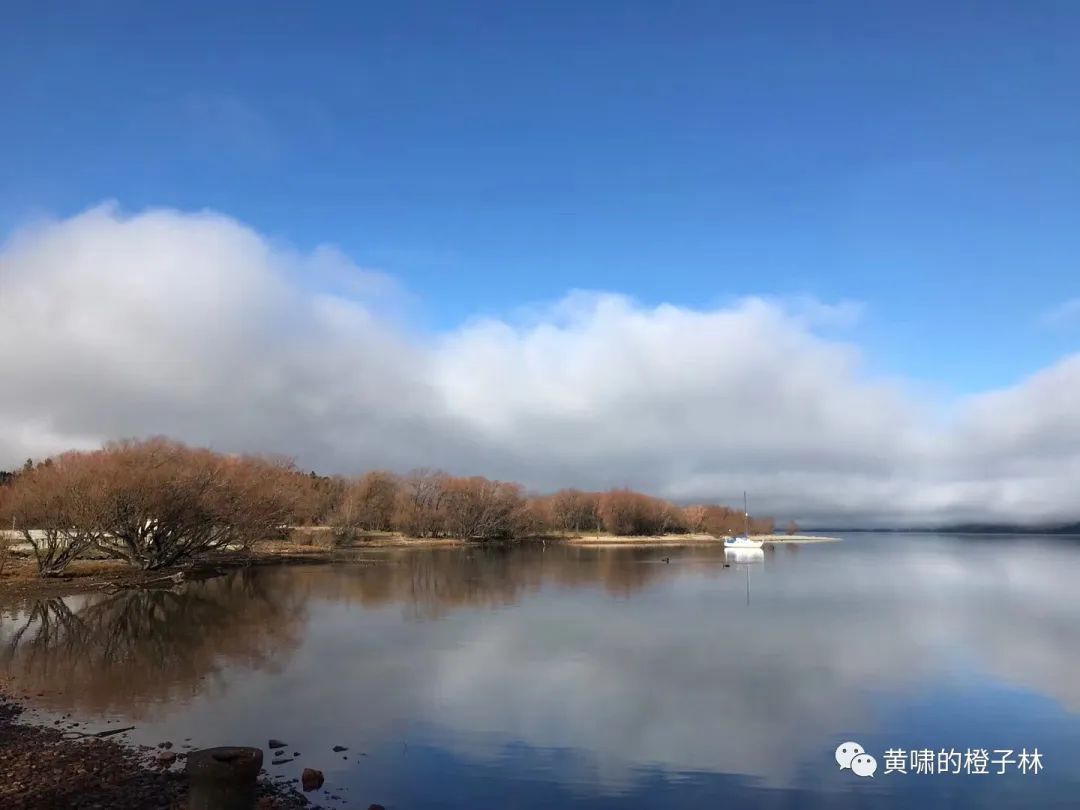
538 677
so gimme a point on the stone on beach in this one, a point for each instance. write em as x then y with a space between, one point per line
311 779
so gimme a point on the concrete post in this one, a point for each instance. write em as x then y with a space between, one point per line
223 778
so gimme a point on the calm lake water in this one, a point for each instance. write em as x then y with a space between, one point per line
555 676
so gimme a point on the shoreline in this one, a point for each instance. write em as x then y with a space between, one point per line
20 579
689 540
43 768
309 546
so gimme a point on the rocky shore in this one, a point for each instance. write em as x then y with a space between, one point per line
40 769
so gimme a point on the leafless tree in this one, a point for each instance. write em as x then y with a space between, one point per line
419 508
166 502
56 508
574 511
317 498
630 513
367 503
694 518
5 550
481 509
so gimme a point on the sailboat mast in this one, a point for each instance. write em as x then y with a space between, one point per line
746 514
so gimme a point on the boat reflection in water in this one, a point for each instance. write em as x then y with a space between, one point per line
745 558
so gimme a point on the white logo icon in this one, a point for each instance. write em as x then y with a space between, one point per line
845 752
852 755
864 765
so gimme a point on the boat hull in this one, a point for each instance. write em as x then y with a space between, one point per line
743 543
744 556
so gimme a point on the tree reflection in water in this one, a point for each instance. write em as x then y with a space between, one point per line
138 647
432 582
128 651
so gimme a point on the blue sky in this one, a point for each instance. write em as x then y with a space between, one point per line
919 158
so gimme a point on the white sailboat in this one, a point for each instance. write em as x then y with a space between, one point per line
743 540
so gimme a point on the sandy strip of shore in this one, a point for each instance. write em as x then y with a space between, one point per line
798 538
687 539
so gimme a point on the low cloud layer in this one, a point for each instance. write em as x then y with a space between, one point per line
195 326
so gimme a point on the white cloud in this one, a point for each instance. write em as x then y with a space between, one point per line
195 326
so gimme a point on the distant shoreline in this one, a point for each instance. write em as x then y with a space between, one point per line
687 539
1034 531
307 545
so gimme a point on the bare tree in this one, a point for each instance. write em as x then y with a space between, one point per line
56 508
166 502
574 511
482 509
764 525
671 519
631 513
694 518
5 550
419 509
317 498
367 503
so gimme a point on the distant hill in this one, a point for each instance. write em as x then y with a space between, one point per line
966 528
994 528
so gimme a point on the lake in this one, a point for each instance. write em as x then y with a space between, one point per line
581 677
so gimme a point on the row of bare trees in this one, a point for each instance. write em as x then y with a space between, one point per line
156 503
434 504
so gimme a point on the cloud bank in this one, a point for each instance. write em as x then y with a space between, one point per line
195 326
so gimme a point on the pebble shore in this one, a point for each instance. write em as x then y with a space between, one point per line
41 770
